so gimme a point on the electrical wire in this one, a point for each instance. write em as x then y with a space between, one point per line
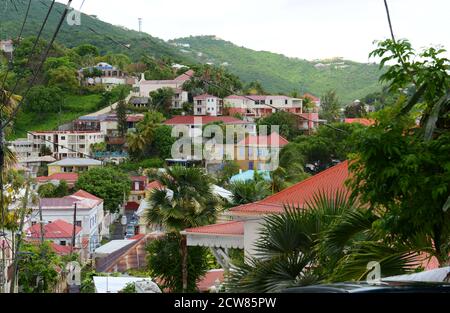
18 40
33 50
55 34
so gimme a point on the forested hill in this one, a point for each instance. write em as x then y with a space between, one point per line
276 72
279 73
92 31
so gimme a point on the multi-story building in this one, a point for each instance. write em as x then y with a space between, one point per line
194 124
66 144
89 215
262 105
23 148
208 105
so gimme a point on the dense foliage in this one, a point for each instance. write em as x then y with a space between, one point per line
107 183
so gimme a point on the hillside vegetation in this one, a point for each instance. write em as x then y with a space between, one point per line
278 73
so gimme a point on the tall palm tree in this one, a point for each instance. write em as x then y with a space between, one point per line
329 240
186 201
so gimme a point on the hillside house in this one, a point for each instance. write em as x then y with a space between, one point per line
243 229
73 165
89 216
65 144
208 105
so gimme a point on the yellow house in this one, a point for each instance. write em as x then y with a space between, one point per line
73 165
254 152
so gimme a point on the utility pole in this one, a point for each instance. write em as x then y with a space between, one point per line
74 226
19 240
41 222
2 202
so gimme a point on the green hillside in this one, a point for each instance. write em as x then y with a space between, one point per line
278 73
71 36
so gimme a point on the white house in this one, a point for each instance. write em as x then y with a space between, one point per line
66 144
23 148
243 230
147 86
194 124
208 105
89 215
262 105
59 232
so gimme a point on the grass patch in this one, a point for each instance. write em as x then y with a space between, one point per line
74 107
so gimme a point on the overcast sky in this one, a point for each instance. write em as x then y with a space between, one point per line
298 28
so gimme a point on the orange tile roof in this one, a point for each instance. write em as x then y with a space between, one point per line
329 181
362 121
230 228
61 250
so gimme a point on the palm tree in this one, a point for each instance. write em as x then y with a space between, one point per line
331 239
136 143
8 103
186 201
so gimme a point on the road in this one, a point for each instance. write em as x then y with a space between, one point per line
112 107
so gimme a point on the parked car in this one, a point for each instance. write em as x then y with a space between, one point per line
382 287
129 231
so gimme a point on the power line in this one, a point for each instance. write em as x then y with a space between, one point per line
55 34
18 38
33 50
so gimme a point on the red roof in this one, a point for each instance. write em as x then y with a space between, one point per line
312 97
203 120
131 205
235 228
185 76
138 178
56 229
274 138
209 280
154 185
68 177
84 194
329 181
61 250
362 121
204 97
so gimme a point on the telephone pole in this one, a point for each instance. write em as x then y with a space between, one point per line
2 202
74 226
41 222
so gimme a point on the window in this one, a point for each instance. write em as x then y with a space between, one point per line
33 223
136 185
82 146
199 110
271 101
78 223
81 137
63 137
285 102
63 243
